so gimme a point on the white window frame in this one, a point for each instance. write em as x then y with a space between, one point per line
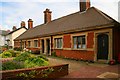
35 43
57 44
29 45
79 45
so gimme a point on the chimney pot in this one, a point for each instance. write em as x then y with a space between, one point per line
47 16
22 24
30 24
84 5
14 28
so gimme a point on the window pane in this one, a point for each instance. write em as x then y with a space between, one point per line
58 43
83 46
29 43
79 42
75 42
83 42
35 43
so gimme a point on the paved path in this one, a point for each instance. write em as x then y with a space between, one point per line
80 69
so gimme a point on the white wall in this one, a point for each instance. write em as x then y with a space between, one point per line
16 34
2 40
10 38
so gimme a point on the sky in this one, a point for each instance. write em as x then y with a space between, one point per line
12 12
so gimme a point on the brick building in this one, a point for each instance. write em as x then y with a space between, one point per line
88 34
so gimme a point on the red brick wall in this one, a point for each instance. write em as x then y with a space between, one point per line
33 49
67 41
116 43
90 40
59 71
76 54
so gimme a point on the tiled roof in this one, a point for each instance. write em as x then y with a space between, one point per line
91 18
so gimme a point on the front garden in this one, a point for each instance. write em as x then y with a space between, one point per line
25 64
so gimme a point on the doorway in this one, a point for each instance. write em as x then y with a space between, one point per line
102 46
42 41
48 46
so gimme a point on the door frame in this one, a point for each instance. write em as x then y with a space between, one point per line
110 44
45 45
99 36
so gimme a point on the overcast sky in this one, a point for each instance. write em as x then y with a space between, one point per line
12 12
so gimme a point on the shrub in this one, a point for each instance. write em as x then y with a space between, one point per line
35 62
6 54
24 56
25 60
53 53
43 57
11 65
0 55
14 53
18 49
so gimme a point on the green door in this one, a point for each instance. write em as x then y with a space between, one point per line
102 46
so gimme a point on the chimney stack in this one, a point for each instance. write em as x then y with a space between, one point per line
47 16
14 28
30 24
22 24
84 5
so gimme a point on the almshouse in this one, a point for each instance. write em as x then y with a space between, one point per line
88 34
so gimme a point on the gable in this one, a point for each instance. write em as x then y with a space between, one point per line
17 30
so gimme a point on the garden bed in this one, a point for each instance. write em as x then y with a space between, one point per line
38 72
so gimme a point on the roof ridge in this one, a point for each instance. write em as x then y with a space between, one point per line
17 30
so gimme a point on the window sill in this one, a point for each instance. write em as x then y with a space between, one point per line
80 49
58 48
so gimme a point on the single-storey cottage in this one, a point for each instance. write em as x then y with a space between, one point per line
88 34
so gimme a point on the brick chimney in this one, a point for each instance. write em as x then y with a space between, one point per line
84 5
30 24
47 16
22 24
14 28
